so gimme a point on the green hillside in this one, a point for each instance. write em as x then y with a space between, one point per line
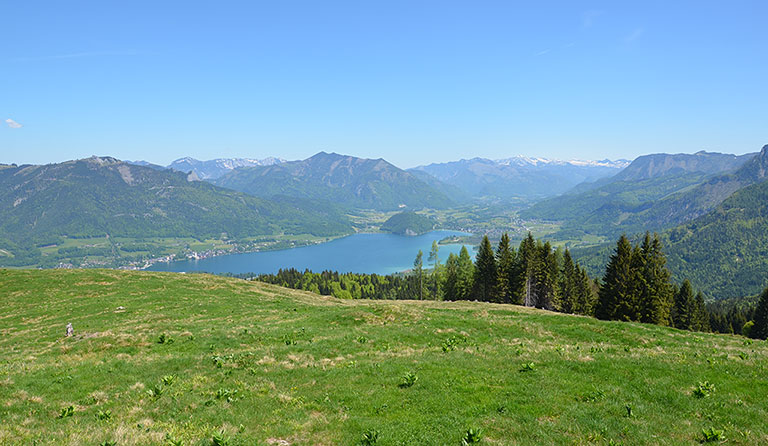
98 197
346 181
653 193
726 251
408 223
198 360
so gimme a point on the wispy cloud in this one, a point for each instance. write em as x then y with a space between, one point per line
13 124
634 35
543 52
79 55
589 18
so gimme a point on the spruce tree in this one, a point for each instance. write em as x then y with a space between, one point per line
684 310
418 268
760 329
586 294
702 315
485 272
527 271
465 277
618 284
568 284
656 292
450 289
505 266
436 276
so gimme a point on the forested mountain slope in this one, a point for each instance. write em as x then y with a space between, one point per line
344 180
104 196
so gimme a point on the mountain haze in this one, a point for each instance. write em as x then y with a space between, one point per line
519 177
345 180
216 168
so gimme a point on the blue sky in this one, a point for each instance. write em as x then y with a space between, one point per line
412 81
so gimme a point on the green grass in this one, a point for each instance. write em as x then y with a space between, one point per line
253 364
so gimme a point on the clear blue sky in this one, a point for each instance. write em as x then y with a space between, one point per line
411 81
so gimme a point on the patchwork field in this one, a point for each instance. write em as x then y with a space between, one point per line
160 358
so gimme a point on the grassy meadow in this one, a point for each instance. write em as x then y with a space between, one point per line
162 358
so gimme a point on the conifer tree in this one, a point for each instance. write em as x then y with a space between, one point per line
485 272
436 276
505 266
569 278
656 292
702 316
586 294
418 268
760 329
684 310
527 270
466 273
619 283
547 276
451 277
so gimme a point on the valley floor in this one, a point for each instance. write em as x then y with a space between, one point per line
162 358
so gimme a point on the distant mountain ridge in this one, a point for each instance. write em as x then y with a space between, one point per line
103 195
661 164
653 192
216 168
519 177
345 180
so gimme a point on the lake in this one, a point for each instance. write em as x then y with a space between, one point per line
358 253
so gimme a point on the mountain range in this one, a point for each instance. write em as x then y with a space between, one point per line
654 192
519 177
348 181
102 195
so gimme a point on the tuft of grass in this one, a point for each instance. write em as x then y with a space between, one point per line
165 339
528 367
703 389
156 391
472 436
104 415
369 438
408 380
219 439
168 380
67 412
712 435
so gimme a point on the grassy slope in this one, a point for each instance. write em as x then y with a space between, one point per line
316 370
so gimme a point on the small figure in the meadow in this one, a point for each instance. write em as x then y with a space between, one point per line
70 330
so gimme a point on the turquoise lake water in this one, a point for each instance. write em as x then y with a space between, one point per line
358 253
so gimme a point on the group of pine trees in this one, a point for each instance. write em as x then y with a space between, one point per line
636 285
533 275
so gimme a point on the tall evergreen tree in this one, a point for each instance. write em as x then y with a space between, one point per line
684 309
450 290
586 294
505 267
527 271
466 274
485 272
618 282
547 276
569 278
418 268
702 316
656 293
437 275
760 329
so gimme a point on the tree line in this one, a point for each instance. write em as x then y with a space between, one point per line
636 285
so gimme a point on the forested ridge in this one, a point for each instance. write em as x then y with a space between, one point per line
636 285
